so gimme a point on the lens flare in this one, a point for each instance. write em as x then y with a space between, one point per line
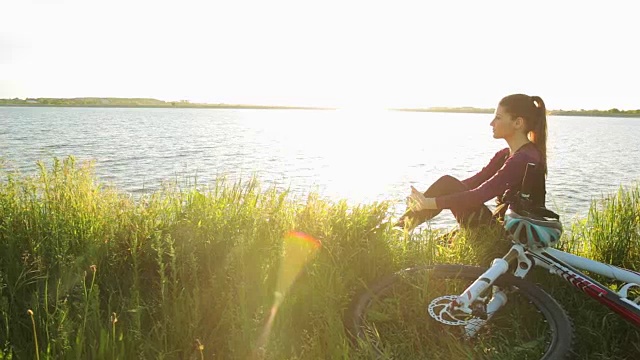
298 249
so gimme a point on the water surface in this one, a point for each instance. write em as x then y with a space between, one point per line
361 156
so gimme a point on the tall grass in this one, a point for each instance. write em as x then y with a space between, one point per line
187 273
610 234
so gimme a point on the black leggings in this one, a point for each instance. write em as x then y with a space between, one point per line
465 216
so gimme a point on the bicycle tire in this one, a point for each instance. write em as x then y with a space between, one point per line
367 338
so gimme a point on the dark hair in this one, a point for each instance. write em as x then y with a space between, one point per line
534 113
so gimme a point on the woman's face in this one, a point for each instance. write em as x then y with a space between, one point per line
504 125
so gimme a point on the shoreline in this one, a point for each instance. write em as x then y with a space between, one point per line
460 110
169 106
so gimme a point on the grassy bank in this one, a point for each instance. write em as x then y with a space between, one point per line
88 273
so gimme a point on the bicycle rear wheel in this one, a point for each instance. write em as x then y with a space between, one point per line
391 320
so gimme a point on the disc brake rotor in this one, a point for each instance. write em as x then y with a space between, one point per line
439 310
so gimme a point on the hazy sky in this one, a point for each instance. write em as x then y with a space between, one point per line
574 54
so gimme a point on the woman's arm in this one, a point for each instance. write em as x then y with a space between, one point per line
416 201
488 171
509 176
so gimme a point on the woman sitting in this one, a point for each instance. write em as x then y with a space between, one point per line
521 121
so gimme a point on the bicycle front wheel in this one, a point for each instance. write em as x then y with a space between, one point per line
391 319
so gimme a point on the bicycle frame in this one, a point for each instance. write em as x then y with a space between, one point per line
565 265
475 303
559 263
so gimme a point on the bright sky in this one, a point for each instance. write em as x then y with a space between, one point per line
574 54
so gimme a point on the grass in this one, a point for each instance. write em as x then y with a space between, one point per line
87 272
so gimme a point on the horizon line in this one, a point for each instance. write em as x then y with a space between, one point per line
185 103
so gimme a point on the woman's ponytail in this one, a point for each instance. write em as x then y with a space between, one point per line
538 132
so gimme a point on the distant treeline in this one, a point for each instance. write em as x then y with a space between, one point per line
581 112
610 112
147 102
131 102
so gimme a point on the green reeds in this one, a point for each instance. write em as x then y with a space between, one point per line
611 232
190 273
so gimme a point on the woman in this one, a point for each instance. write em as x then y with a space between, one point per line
521 121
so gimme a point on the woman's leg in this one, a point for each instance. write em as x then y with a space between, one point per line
473 217
446 185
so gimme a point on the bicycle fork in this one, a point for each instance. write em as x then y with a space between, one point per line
467 301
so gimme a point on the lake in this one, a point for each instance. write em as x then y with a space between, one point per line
359 155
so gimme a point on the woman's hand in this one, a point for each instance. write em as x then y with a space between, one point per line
416 201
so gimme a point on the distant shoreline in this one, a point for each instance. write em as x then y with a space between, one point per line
183 104
193 106
594 113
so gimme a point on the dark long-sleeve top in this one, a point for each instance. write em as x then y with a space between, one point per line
504 172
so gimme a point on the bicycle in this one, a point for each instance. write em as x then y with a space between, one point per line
477 312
